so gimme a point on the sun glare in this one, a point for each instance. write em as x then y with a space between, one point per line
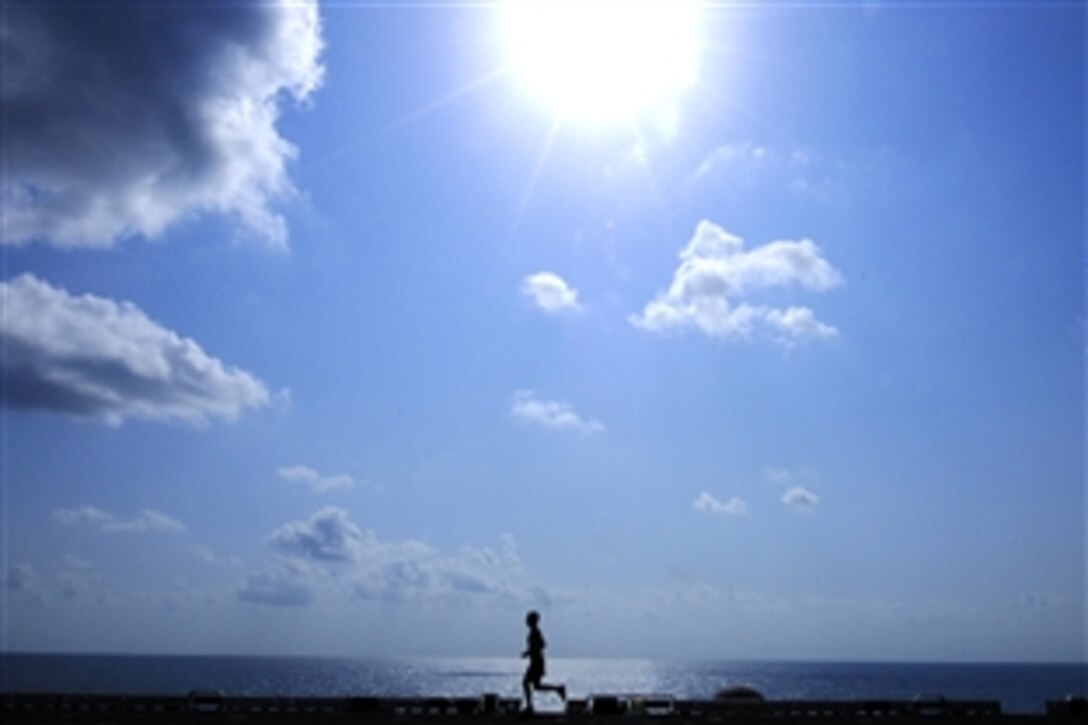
600 61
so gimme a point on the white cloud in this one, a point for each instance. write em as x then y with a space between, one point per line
164 112
526 407
314 480
146 521
92 357
387 571
716 275
708 504
327 536
550 293
800 498
797 323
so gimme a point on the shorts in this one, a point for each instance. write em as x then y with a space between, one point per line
535 673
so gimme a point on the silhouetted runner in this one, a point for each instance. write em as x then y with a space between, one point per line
534 674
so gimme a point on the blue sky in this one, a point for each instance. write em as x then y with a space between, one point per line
333 333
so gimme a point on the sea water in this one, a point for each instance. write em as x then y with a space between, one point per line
1018 687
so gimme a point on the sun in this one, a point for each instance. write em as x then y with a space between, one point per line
602 61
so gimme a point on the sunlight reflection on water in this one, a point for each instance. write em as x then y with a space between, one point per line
1020 688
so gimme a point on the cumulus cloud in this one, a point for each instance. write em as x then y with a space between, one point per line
526 407
146 521
710 288
328 535
388 571
550 293
314 480
92 357
165 111
796 323
708 504
800 498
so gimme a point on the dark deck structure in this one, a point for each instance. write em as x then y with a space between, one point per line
214 708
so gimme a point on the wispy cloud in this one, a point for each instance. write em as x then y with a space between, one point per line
708 504
72 585
717 274
315 481
747 166
74 562
21 578
92 357
1043 601
800 498
204 552
550 293
418 573
778 475
731 156
146 521
527 408
96 153
285 584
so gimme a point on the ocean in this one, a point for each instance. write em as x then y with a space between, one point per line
1023 688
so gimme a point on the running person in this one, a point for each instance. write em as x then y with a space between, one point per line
534 673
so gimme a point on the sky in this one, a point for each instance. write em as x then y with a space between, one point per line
711 331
